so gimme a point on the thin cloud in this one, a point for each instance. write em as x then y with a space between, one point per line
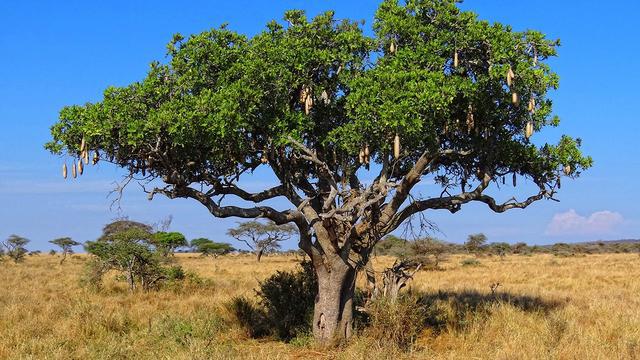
572 223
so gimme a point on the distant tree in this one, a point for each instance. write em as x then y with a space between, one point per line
168 242
52 252
519 248
500 248
562 249
475 242
66 245
122 225
125 247
392 245
15 247
260 237
195 243
210 248
429 250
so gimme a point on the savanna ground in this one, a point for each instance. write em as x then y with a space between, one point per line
546 308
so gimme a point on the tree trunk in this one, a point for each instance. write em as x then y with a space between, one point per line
259 254
333 311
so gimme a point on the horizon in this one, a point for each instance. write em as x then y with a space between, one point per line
66 54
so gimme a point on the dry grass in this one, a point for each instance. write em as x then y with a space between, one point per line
546 308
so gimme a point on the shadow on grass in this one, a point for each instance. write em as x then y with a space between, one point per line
458 309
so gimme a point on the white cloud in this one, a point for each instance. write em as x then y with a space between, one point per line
571 223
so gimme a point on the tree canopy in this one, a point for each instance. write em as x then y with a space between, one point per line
66 244
15 246
211 248
347 123
168 242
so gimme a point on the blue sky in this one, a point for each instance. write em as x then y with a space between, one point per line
57 53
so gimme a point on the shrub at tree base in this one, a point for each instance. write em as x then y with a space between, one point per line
288 298
285 305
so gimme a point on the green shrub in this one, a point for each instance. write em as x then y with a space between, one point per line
288 298
470 262
174 273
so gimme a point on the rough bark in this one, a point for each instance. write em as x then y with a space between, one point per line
333 311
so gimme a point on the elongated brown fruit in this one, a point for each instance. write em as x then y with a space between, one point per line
396 147
96 158
74 174
303 94
308 105
528 130
510 77
83 144
392 48
515 180
366 150
532 105
455 60
361 156
86 157
567 170
80 167
515 98
325 97
64 170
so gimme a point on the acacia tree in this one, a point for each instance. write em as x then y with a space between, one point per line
260 237
15 246
210 248
125 246
475 242
66 245
434 94
168 242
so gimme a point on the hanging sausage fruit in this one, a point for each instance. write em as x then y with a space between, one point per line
528 130
396 147
470 119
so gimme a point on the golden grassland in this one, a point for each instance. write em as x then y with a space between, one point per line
546 308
